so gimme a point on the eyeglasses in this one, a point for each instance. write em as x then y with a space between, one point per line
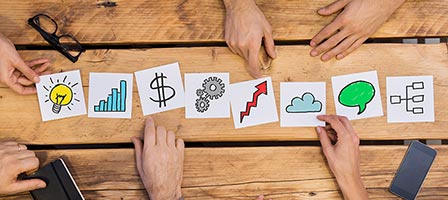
65 44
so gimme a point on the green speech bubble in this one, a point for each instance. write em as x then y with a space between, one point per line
357 94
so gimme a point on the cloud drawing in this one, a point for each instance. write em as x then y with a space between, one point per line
305 104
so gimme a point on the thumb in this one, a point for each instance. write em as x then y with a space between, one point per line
333 7
269 45
28 185
138 152
27 71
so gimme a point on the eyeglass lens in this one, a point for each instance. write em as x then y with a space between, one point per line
46 24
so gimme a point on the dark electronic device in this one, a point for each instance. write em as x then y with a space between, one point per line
413 170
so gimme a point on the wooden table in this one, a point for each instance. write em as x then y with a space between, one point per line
191 32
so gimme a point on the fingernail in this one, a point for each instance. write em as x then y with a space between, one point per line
36 79
339 56
325 57
313 53
312 43
318 129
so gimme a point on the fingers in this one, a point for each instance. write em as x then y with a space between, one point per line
261 197
333 7
24 81
138 153
150 132
329 44
326 32
27 71
269 45
254 68
180 144
161 136
24 154
352 48
28 164
333 120
344 45
28 185
41 68
171 139
21 89
324 141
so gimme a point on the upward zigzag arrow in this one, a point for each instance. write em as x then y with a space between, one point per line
261 89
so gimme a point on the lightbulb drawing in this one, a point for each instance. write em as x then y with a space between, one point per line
61 94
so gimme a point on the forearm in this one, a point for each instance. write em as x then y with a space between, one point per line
237 4
353 189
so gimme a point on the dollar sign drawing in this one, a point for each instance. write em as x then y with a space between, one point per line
157 84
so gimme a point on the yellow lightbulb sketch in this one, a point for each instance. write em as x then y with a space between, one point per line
60 95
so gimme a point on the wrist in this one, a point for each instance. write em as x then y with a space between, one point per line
163 195
238 4
352 189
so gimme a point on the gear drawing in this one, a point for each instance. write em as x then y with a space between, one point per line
213 88
202 104
199 92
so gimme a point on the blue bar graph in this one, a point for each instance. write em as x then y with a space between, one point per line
115 102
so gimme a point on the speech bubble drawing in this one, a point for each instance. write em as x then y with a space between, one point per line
357 94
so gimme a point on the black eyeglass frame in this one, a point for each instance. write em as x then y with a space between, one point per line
53 39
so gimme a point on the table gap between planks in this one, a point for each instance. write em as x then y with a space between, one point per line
235 172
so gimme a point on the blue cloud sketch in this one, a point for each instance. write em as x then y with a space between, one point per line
306 104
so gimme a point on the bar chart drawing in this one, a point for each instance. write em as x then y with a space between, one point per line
115 102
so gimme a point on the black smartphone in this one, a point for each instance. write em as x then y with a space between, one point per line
413 169
60 183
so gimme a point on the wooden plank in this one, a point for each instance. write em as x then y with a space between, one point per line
179 21
21 115
244 173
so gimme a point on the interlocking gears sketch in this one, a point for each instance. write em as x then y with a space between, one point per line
212 89
202 104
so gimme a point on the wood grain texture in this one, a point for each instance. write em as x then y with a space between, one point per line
244 173
179 21
20 118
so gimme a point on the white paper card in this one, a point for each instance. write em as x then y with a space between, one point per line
110 95
253 103
357 96
301 103
207 95
160 88
410 99
61 95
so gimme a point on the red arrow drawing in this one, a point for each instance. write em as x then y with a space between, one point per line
261 89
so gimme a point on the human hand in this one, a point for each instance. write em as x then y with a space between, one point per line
160 162
358 20
343 157
14 160
245 28
17 74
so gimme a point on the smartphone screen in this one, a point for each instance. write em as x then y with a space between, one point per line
413 170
